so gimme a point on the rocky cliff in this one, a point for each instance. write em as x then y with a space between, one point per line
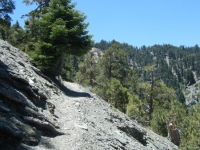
40 112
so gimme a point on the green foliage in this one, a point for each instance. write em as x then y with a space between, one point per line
108 75
16 35
117 95
171 110
101 86
61 31
190 128
114 63
162 92
189 77
155 96
175 65
132 81
71 67
135 109
4 32
87 71
6 8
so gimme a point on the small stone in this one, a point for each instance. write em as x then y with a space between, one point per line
77 104
82 126
30 82
33 79
99 138
121 140
92 124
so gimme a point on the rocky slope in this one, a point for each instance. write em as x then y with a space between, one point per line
191 93
39 112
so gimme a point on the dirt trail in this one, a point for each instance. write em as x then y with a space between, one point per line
91 123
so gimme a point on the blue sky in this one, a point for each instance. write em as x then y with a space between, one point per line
138 22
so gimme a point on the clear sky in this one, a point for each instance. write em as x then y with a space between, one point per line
138 22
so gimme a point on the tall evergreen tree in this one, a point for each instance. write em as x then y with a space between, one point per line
113 64
62 31
151 92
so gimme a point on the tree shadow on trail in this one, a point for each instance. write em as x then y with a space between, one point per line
65 90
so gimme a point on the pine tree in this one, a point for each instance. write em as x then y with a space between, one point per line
151 92
166 107
132 81
113 64
117 95
61 31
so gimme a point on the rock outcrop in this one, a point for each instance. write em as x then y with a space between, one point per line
39 112
191 93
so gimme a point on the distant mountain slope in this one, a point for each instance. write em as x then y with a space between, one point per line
39 112
177 67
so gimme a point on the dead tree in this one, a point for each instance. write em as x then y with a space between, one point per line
173 133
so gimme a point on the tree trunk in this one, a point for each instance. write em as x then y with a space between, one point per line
91 72
151 96
91 79
61 62
110 70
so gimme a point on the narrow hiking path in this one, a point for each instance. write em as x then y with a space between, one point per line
93 124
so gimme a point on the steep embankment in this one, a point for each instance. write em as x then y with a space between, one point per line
38 112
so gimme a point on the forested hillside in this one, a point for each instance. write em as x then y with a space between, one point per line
177 67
